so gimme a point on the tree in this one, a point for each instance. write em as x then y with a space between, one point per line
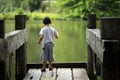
35 4
80 8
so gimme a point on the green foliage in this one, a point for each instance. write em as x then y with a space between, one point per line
37 16
12 5
1 16
20 11
35 4
31 16
80 8
9 15
73 8
2 5
66 8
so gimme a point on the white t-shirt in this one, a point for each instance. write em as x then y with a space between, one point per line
49 34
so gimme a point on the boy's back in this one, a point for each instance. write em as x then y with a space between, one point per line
48 33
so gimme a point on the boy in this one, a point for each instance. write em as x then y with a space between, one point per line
47 35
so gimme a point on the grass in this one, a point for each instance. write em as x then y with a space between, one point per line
31 16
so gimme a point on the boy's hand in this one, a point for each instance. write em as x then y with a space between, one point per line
38 42
40 39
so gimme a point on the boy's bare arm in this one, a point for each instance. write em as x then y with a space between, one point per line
56 36
40 39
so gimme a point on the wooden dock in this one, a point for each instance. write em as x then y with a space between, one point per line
57 74
103 54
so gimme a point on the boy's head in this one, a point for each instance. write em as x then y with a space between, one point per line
46 20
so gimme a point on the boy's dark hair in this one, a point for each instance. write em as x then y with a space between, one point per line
46 20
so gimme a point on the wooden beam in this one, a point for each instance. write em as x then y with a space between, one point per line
60 65
107 51
12 41
95 42
15 39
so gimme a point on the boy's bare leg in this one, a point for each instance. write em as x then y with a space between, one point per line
43 67
50 65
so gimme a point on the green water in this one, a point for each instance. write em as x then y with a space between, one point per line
69 47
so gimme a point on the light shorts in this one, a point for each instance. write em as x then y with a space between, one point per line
47 52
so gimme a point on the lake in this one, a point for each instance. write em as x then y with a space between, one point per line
69 47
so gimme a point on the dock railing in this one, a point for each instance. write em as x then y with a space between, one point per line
14 41
103 48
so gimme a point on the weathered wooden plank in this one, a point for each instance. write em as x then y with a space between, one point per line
33 74
94 40
96 43
107 51
49 75
12 41
80 74
64 74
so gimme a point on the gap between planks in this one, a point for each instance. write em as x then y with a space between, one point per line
57 74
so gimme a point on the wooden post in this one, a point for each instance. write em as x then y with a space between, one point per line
91 64
110 31
91 58
20 22
2 29
110 28
2 63
3 70
10 67
98 67
91 21
21 58
111 61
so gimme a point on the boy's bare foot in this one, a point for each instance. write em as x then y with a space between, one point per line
43 70
50 68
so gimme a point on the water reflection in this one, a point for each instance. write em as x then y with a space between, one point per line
70 47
